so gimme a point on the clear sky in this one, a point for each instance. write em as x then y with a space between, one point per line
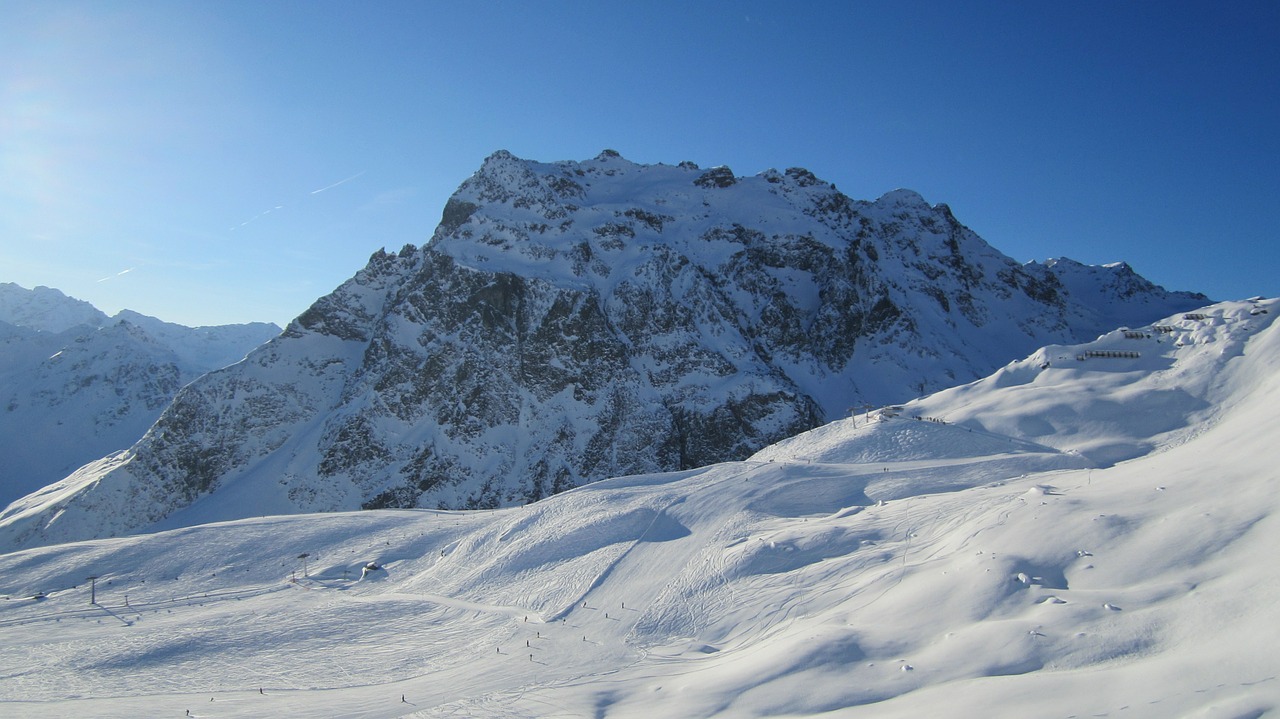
224 161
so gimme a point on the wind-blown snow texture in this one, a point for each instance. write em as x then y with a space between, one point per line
76 385
886 565
574 321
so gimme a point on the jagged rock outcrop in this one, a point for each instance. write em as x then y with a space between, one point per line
573 321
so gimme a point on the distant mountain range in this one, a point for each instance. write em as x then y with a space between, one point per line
76 384
573 321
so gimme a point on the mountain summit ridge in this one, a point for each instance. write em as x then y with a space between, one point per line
572 321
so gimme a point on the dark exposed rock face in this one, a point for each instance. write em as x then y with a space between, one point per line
574 321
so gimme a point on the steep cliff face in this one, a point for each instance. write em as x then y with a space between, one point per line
577 320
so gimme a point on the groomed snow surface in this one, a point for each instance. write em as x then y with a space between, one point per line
1067 538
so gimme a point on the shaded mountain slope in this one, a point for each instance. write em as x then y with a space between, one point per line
76 384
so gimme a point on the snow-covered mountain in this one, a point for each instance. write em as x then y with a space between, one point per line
572 321
885 565
76 385
47 309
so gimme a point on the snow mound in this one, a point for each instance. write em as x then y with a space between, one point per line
888 436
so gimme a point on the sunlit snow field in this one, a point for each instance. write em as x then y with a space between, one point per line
1066 538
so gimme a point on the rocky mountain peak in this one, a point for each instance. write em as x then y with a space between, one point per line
903 199
571 321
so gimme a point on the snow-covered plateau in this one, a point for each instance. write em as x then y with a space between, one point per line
1087 532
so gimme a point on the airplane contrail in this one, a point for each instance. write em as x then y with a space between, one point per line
269 210
339 182
121 272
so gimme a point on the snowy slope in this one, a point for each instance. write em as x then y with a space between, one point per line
76 385
1115 398
572 321
888 567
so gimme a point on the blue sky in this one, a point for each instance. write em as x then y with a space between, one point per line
230 161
